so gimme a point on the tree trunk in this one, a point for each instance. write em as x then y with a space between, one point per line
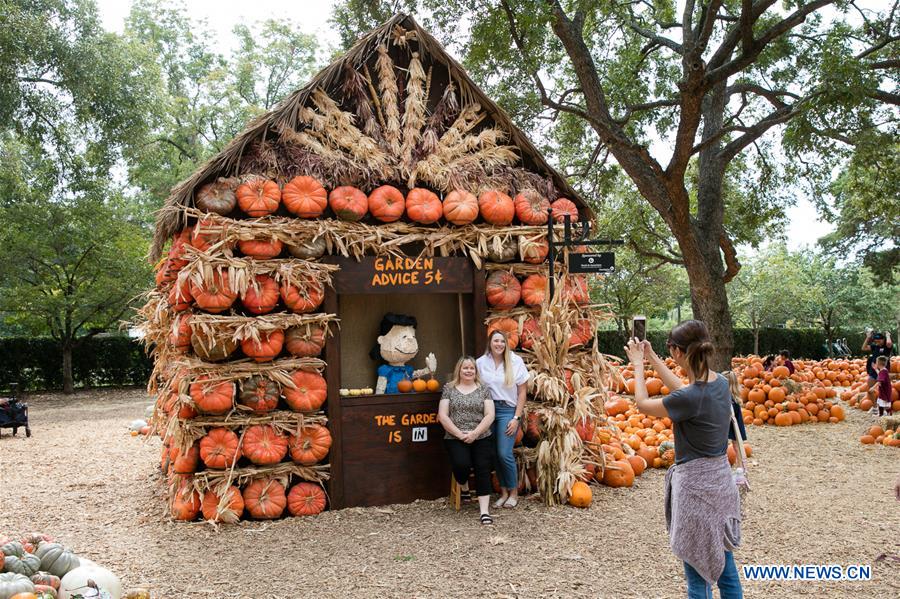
755 341
68 378
709 299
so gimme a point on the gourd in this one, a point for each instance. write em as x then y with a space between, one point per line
56 559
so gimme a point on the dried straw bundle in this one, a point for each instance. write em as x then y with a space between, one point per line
213 327
413 114
390 99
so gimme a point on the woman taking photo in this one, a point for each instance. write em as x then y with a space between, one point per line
703 511
466 412
504 374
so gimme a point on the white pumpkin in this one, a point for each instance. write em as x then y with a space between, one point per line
74 582
148 412
137 425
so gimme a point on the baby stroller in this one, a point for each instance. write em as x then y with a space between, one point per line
14 413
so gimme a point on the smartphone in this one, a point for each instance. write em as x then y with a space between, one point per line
639 327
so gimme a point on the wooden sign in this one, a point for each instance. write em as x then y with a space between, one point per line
402 274
392 449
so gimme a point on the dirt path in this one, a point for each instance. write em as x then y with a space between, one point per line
819 497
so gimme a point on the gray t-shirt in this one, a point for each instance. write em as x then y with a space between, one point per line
701 417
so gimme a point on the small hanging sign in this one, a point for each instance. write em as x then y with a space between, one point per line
594 262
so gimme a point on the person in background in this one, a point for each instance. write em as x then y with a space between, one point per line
466 412
768 363
877 344
784 359
702 503
882 387
504 373
897 488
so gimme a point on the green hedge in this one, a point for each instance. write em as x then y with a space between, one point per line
36 363
802 343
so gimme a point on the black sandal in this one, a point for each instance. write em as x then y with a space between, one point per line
486 520
465 496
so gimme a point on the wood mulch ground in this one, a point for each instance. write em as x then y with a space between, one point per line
819 497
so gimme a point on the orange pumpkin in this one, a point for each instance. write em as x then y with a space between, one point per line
423 206
309 392
404 386
419 386
496 207
618 473
232 506
531 208
310 445
211 397
581 495
309 300
185 502
562 207
261 249
263 445
503 290
266 348
258 196
214 295
576 289
783 419
582 332
616 406
220 448
638 464
305 342
508 326
264 499
534 290
180 297
530 333
261 296
348 203
181 332
306 499
387 204
304 197
533 251
185 463
432 385
776 394
460 207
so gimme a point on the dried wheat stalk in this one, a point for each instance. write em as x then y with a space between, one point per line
390 99
413 113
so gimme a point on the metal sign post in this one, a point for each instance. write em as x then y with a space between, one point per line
596 262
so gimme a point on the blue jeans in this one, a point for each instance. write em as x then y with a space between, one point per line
729 582
506 461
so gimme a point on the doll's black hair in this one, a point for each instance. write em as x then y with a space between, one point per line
389 321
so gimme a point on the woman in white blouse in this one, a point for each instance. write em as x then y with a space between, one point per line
504 374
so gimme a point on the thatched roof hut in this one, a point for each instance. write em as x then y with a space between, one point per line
357 123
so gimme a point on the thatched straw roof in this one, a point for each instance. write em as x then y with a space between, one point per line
405 38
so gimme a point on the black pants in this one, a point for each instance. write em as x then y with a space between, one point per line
465 456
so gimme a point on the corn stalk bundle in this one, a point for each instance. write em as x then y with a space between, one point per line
211 328
560 451
278 370
390 99
355 89
282 472
204 267
413 114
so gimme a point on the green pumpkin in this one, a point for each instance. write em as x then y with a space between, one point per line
666 446
13 548
12 583
56 559
26 565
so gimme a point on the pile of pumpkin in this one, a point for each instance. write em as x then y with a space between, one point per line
860 395
36 567
630 443
876 435
505 292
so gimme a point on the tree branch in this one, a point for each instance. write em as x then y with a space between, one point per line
732 265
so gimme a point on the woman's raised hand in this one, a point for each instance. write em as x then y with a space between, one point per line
635 351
